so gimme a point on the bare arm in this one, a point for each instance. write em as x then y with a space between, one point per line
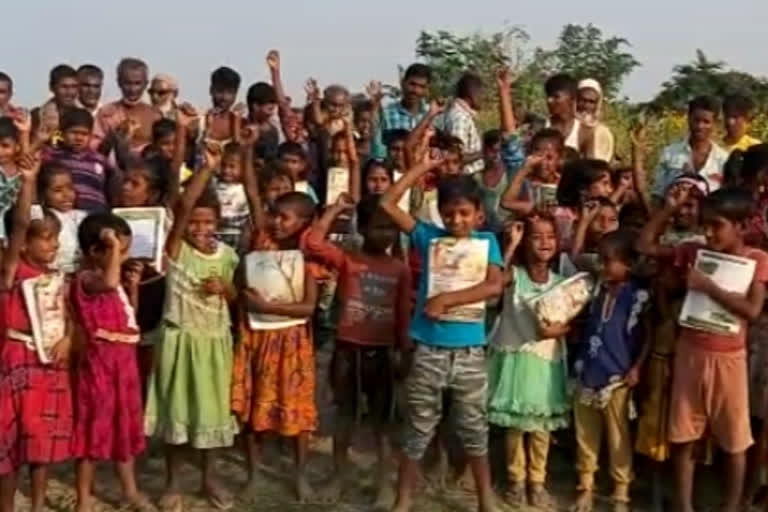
749 306
354 164
251 179
274 65
303 309
488 289
506 111
108 279
639 175
511 197
30 166
417 140
648 241
392 196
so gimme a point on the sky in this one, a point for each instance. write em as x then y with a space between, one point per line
351 41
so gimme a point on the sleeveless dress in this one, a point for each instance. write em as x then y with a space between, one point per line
35 398
108 392
527 376
188 401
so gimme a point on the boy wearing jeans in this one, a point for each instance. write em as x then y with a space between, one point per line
450 356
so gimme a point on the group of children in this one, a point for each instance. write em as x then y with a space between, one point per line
198 352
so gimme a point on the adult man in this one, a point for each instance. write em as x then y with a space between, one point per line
91 83
6 93
63 85
459 120
562 90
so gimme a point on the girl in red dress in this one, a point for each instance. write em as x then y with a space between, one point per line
35 394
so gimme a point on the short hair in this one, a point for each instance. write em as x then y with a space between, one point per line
492 137
303 205
225 78
76 117
418 70
89 231
621 244
47 173
8 129
232 149
744 167
577 176
734 204
561 82
271 173
333 90
547 134
705 103
467 84
5 77
90 70
455 188
261 93
131 64
738 104
289 148
59 73
209 199
369 208
361 107
395 135
163 128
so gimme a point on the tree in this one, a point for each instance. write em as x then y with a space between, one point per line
703 76
583 52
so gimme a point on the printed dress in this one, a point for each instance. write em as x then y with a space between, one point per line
273 381
35 398
527 375
108 392
188 399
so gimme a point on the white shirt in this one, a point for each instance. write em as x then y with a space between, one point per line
459 121
68 256
677 159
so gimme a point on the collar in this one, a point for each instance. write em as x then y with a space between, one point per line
423 107
463 105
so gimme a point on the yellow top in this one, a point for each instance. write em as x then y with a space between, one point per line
744 143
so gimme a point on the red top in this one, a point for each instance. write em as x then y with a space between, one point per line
12 301
374 293
108 311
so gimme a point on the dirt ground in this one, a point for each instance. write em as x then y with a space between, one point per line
276 491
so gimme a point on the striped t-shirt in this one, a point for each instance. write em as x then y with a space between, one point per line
92 175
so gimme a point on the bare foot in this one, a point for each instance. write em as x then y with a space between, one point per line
304 492
385 495
584 502
171 501
488 503
249 494
465 482
84 506
538 497
515 494
402 506
331 492
217 497
137 503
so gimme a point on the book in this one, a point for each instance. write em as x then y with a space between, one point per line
729 272
405 202
279 277
44 301
148 229
337 184
563 302
457 264
543 194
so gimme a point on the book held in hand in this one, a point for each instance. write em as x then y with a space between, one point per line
279 277
148 230
44 300
457 264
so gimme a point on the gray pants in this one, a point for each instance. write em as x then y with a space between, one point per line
463 372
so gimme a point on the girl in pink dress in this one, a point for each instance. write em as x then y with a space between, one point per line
108 412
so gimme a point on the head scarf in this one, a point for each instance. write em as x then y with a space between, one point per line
591 83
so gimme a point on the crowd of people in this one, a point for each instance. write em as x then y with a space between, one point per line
407 238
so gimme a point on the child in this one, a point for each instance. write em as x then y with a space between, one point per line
374 293
233 223
221 123
188 399
57 194
95 180
273 383
609 359
709 382
598 217
737 114
449 355
10 179
527 376
293 161
35 397
274 183
108 392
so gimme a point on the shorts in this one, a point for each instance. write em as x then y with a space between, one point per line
362 379
461 372
710 392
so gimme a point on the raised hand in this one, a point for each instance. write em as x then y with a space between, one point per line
312 90
212 155
22 120
515 231
109 238
436 107
29 166
249 134
273 60
374 91
504 78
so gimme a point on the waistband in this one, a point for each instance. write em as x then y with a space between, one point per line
117 337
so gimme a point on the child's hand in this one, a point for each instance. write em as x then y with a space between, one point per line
187 115
132 272
257 301
699 281
632 378
344 202
532 162
213 285
589 210
109 238
60 351
240 109
273 60
312 90
249 134
637 135
504 78
553 331
515 231
435 307
29 166
374 91
127 128
433 158
675 197
626 181
22 120
211 155
436 107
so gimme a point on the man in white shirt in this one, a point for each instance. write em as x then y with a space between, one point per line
459 120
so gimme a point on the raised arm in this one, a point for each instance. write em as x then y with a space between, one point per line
192 192
313 97
110 278
648 241
354 164
251 178
29 166
183 123
588 213
273 63
639 175
417 140
511 197
506 111
389 201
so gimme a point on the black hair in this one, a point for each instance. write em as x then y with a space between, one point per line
225 79
209 199
455 188
561 82
632 216
303 205
156 170
89 231
578 175
90 70
447 142
47 173
620 244
546 134
59 73
76 117
131 64
163 128
738 104
270 173
492 137
468 84
5 77
35 226
743 168
232 149
706 103
361 107
291 149
418 70
261 93
368 209
395 135
372 164
734 204
8 129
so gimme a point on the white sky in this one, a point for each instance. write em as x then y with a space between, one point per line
350 41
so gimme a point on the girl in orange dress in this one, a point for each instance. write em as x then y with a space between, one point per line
273 385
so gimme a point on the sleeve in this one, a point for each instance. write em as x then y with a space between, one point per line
423 234
402 320
320 248
512 155
378 149
761 267
461 128
494 252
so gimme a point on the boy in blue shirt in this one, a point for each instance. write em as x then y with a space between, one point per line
449 355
